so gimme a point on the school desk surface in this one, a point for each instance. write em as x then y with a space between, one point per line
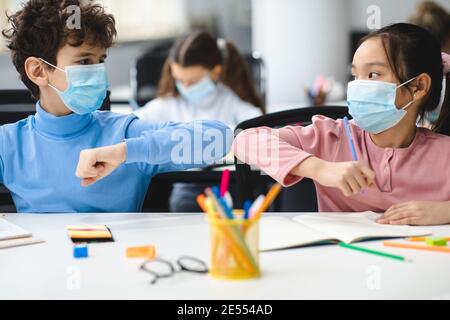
49 271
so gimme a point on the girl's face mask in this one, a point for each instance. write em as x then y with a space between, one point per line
372 104
197 92
87 87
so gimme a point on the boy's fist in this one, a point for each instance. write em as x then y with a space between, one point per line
96 164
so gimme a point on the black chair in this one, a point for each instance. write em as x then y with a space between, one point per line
146 72
301 197
15 105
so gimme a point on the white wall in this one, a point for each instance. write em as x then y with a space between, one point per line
300 39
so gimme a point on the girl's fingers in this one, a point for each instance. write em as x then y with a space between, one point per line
390 213
361 180
370 175
346 190
403 222
354 186
396 216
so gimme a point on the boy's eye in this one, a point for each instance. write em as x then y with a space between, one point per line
373 75
84 62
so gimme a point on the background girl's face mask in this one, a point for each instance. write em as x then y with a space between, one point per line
372 104
197 92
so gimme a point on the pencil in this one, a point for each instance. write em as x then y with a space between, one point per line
201 201
416 247
378 253
423 239
270 198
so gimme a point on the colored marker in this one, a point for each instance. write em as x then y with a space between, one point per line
247 206
224 185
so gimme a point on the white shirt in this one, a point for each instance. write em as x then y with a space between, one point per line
222 105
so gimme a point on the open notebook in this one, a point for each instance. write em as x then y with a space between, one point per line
283 233
14 236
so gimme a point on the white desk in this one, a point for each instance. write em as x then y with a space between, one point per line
327 272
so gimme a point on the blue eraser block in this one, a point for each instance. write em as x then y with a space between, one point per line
80 251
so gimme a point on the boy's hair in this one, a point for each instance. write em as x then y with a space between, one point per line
42 27
200 48
412 50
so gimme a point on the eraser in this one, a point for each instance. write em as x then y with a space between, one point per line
147 252
437 242
80 251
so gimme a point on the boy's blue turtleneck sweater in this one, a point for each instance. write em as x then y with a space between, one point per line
39 156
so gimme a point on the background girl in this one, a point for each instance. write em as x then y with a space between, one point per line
204 78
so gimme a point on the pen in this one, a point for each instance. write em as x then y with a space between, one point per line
351 143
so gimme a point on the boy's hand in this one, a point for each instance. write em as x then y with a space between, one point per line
349 177
96 164
417 214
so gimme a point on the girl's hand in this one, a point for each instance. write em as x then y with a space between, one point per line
349 177
417 214
96 164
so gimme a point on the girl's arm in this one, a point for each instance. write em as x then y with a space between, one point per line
173 147
278 152
293 153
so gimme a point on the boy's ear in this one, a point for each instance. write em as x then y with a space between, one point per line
36 72
422 86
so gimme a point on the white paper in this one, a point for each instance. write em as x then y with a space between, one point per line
9 231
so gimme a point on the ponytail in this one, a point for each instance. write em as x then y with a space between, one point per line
236 75
442 125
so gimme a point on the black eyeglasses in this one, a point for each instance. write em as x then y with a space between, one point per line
160 268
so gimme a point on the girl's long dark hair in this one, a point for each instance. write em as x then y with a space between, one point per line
201 49
411 51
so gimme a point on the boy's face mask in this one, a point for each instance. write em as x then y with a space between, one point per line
197 92
372 104
87 87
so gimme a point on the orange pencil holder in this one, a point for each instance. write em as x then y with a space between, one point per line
234 248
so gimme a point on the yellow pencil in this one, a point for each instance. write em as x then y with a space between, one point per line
270 198
423 239
415 247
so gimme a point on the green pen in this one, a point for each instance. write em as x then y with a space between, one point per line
378 253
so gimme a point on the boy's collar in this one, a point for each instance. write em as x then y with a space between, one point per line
60 127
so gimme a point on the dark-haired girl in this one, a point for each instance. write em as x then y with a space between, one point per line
402 170
204 78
